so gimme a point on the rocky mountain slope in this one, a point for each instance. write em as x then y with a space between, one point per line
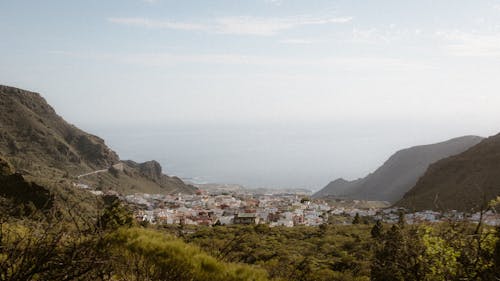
462 182
399 173
131 177
32 134
41 144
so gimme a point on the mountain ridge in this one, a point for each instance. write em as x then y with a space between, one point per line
464 182
399 172
39 142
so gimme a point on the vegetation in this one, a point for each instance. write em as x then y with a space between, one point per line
63 246
104 243
142 254
57 244
448 251
443 252
298 253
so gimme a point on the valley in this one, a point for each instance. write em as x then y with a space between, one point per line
59 181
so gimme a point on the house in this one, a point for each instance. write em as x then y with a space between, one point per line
246 218
225 220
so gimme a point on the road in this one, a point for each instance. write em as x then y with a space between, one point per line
118 166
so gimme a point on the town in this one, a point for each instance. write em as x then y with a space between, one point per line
278 209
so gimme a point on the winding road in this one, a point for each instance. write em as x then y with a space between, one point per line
118 166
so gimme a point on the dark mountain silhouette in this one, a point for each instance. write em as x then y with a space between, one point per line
41 144
399 173
464 182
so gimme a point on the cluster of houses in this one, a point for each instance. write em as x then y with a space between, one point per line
281 209
275 210
204 209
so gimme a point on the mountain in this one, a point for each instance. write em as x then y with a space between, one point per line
462 182
399 173
41 144
33 135
336 187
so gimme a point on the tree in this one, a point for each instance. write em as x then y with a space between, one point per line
496 253
377 230
115 214
51 247
304 200
401 219
357 219
385 266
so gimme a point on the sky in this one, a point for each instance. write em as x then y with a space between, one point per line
266 92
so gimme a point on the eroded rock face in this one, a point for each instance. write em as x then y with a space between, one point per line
152 170
93 150
32 131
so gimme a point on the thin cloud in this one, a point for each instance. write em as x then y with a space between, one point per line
172 59
296 41
234 25
384 34
470 44
274 2
148 23
269 26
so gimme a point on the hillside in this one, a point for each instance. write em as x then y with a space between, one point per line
42 145
462 182
132 177
33 136
337 187
399 173
12 185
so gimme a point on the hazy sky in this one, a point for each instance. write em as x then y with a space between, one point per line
415 71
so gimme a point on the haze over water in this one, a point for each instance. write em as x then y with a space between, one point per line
278 156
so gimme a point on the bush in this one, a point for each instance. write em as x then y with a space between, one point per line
142 254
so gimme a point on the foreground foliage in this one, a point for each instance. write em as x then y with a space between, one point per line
149 255
53 246
298 253
442 251
452 251
56 244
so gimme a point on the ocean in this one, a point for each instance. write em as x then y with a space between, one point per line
273 156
